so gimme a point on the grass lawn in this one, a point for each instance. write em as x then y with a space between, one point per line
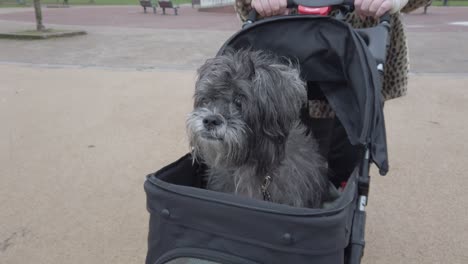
451 3
12 3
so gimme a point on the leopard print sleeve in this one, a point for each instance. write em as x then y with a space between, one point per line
243 8
414 4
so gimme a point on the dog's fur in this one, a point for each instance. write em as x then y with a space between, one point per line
246 125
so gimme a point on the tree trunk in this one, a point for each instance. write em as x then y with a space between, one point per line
37 9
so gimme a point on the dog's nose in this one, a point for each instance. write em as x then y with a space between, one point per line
212 121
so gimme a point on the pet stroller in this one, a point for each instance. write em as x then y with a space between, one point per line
189 224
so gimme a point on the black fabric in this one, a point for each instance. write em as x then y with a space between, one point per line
321 129
314 92
341 155
333 55
183 217
183 172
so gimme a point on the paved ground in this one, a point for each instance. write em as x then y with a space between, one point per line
147 41
84 119
131 16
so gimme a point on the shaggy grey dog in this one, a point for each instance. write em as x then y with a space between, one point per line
246 128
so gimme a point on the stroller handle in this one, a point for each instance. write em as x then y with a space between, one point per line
252 17
319 3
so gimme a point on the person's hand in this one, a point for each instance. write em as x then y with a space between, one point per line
374 8
267 8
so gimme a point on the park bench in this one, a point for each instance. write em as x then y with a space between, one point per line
195 3
168 4
148 3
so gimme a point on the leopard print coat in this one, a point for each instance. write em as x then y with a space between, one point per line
397 64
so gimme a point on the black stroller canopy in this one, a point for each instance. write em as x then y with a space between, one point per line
333 55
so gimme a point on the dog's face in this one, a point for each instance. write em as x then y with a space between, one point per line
245 104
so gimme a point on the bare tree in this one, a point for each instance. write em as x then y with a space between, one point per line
37 9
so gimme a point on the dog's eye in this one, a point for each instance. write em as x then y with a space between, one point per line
238 102
202 102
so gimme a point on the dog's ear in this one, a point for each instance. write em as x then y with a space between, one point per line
215 73
243 62
280 94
